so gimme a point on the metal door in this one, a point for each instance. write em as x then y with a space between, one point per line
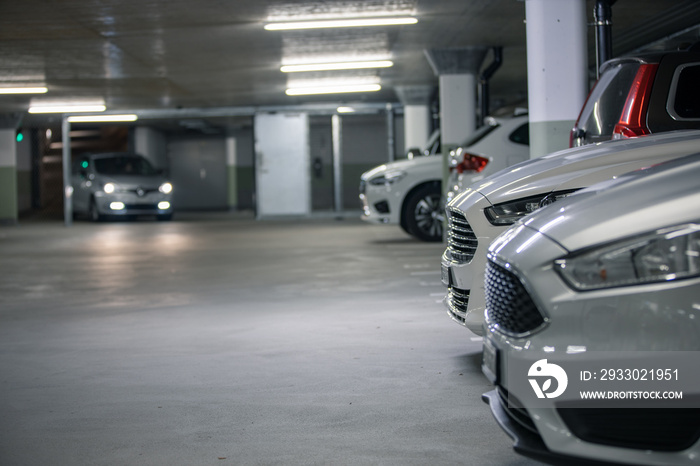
282 170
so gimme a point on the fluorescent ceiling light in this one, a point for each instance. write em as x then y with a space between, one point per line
66 108
102 118
352 65
345 110
338 89
341 23
23 90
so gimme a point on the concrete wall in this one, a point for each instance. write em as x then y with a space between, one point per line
364 147
243 173
152 144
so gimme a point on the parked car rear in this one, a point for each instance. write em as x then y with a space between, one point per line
641 95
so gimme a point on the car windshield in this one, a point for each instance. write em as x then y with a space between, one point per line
480 133
604 106
124 165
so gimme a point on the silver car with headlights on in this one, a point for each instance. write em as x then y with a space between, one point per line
485 209
593 323
119 185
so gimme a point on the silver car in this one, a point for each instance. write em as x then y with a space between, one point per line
601 290
119 184
487 208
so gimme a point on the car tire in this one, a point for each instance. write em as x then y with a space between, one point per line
424 214
95 214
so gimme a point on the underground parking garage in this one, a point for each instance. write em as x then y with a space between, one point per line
217 339
190 274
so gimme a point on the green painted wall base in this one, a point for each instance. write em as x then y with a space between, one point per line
244 186
549 136
8 194
232 187
24 190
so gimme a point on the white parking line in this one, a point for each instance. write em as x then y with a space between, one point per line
435 284
418 266
426 272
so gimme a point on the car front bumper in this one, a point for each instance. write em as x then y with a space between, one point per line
382 204
126 203
588 327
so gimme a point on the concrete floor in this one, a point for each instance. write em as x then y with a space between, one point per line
215 339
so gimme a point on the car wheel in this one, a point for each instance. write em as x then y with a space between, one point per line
424 213
95 214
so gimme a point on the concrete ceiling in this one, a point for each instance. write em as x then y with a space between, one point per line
180 54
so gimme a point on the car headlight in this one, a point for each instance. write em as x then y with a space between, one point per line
507 213
165 188
387 178
664 255
109 188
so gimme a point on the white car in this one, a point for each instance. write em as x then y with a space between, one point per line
484 210
593 323
409 192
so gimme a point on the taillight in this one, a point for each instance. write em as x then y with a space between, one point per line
633 119
471 162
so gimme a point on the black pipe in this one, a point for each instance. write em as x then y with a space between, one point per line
484 81
602 15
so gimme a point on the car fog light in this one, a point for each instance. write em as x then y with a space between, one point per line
116 205
163 205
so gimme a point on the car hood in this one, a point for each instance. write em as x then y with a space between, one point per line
134 180
416 163
646 200
579 167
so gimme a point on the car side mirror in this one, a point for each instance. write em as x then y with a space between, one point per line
577 137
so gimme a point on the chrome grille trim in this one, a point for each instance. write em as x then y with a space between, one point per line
461 240
457 303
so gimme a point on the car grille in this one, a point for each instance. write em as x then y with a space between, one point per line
457 301
141 206
461 240
661 429
382 207
508 304
142 191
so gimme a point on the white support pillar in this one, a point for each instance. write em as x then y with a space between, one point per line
66 161
416 125
390 133
416 114
457 69
337 135
232 172
556 71
457 108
